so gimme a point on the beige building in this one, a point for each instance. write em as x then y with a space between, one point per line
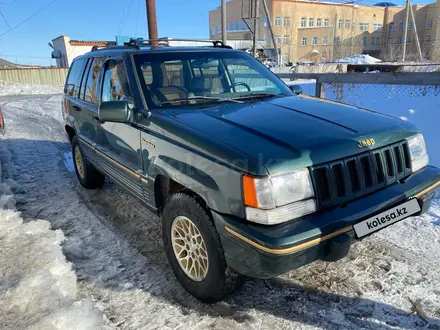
325 31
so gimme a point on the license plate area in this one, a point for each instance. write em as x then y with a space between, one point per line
387 218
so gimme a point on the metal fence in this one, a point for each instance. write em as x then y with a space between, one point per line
371 90
36 76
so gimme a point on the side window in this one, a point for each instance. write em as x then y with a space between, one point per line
73 78
208 68
147 72
174 71
115 84
91 85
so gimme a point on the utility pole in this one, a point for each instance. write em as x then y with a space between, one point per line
405 33
224 38
416 36
254 43
152 22
269 23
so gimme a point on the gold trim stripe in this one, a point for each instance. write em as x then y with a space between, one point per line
431 187
292 249
115 162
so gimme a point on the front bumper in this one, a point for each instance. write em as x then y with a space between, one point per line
266 251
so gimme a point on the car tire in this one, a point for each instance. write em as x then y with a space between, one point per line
210 280
88 176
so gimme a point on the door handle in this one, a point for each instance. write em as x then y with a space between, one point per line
76 108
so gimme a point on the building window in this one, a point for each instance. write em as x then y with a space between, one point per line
319 22
428 24
399 40
409 25
303 21
401 27
286 21
277 20
314 41
303 41
327 22
324 56
377 27
364 41
428 38
364 26
311 22
286 39
278 39
378 41
373 41
337 40
340 24
229 27
392 27
347 23
390 41
237 26
324 40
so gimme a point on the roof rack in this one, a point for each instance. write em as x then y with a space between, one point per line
139 42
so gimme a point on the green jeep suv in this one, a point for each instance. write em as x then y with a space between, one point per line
249 178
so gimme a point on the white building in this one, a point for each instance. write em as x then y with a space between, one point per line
65 50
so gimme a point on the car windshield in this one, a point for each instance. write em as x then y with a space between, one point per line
191 78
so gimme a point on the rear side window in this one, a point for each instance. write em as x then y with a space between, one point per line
91 84
73 78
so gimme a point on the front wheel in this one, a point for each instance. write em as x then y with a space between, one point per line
87 175
194 249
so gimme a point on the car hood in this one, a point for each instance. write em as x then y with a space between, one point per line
286 133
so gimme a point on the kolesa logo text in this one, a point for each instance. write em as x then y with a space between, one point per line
399 212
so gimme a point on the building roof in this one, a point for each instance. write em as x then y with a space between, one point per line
92 43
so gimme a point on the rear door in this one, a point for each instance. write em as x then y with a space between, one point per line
85 109
119 143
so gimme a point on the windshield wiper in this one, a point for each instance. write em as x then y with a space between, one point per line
195 98
253 96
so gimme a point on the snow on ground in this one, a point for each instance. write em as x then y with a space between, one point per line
7 88
115 247
38 287
358 59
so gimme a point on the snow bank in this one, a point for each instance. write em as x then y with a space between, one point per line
37 286
7 88
359 59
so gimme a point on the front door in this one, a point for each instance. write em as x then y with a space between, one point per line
119 143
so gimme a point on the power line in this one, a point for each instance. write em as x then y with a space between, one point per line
122 17
8 4
192 3
128 14
4 18
27 19
137 19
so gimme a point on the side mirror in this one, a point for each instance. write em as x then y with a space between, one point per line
114 111
296 89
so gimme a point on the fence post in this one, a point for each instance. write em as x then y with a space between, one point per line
319 90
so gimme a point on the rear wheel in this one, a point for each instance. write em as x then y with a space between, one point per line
87 175
194 249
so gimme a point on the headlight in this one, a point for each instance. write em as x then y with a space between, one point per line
417 151
279 198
